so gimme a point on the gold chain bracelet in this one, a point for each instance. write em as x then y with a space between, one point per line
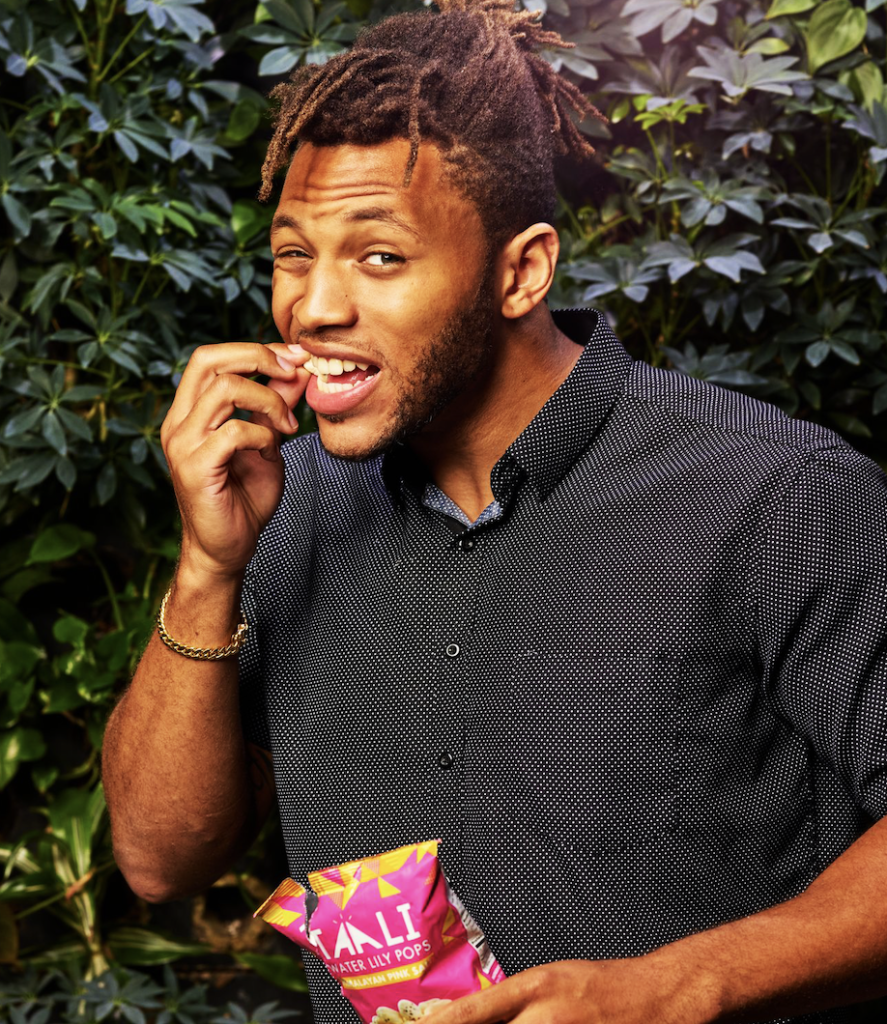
200 653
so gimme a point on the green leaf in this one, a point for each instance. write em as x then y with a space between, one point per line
817 353
74 424
867 83
140 947
66 472
298 17
17 661
284 971
43 776
127 146
54 433
58 542
846 352
769 47
279 61
31 886
836 28
8 277
23 421
106 484
17 746
106 224
248 218
74 817
180 222
19 216
70 630
244 119
63 955
780 8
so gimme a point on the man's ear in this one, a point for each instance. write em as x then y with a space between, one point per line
526 266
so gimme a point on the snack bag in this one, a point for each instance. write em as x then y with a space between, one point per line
391 932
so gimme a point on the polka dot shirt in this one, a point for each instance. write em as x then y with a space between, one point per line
646 697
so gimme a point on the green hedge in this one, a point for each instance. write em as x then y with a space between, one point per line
735 231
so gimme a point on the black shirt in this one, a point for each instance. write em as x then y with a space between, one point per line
648 698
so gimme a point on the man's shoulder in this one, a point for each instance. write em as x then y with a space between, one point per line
708 408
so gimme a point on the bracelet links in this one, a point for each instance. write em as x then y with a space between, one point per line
200 653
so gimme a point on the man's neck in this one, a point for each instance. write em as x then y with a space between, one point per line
472 434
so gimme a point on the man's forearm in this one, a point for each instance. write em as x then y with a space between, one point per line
826 947
182 799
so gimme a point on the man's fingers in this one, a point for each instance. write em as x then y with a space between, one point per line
502 1002
291 390
215 406
244 359
210 460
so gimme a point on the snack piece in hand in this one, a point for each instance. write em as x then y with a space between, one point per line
390 930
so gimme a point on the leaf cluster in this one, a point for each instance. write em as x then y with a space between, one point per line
741 218
128 997
131 139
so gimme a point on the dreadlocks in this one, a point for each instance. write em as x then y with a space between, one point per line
468 79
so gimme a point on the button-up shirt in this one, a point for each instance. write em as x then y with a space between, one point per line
647 697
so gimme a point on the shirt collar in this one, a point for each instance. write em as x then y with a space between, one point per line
562 429
568 422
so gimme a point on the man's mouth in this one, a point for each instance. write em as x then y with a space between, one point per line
338 374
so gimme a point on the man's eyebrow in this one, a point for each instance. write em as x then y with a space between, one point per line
382 213
282 220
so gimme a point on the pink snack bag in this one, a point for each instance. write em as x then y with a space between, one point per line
391 932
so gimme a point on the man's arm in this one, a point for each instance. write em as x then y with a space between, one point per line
186 793
824 948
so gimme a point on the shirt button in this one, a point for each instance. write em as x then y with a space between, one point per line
452 650
445 759
467 543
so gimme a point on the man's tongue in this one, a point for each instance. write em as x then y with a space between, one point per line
354 376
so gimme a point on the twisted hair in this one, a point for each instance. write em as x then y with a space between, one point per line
468 79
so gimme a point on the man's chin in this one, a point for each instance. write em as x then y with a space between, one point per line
349 450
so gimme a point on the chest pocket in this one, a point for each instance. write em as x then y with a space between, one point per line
593 749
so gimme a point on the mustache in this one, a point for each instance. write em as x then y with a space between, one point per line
324 336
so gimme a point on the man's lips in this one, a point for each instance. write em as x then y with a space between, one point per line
331 399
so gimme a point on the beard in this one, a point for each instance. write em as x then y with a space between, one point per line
449 366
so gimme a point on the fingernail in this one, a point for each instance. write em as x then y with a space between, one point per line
296 350
294 423
285 363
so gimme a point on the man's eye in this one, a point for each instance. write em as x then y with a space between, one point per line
383 259
292 254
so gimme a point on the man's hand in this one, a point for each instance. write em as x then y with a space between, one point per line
228 473
636 991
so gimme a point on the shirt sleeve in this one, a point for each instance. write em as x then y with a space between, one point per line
822 617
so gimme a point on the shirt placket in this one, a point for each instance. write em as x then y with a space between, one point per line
455 661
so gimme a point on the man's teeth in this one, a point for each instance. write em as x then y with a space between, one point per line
332 367
323 369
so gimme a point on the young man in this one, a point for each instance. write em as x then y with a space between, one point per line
616 637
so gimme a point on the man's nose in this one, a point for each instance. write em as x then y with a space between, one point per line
326 301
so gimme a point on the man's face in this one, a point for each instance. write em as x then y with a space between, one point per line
389 289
